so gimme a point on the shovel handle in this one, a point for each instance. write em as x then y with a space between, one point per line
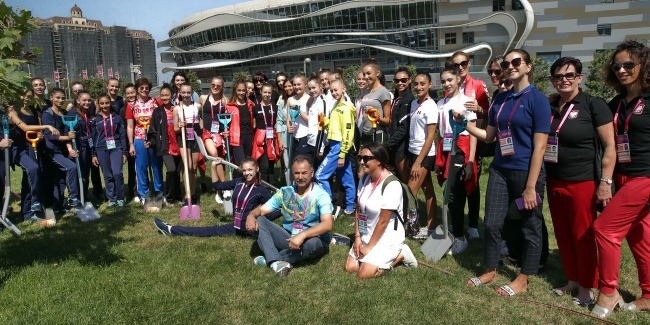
32 137
371 116
144 121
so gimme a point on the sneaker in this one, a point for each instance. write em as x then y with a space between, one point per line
472 233
227 195
36 207
73 202
136 199
218 198
281 268
422 234
120 203
409 259
349 213
259 261
336 212
112 204
163 227
459 246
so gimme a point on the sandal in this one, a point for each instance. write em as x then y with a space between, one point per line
506 289
602 312
581 303
476 282
633 307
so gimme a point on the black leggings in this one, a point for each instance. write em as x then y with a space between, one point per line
172 187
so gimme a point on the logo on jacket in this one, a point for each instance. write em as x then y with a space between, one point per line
573 114
639 109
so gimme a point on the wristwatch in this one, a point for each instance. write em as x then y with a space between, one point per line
607 180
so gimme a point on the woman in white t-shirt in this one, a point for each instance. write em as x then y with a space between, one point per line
422 148
187 114
379 236
300 127
316 106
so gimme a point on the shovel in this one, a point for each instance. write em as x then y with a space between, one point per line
3 219
293 115
370 113
189 211
439 243
224 119
87 211
50 219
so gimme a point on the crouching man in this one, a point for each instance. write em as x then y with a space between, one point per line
306 221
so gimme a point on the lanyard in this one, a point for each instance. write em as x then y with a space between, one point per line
110 116
514 109
85 118
243 204
220 110
395 102
627 120
363 189
419 105
304 207
264 115
568 111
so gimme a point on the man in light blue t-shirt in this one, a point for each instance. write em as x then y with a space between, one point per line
306 221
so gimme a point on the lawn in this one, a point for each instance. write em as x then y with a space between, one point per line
119 270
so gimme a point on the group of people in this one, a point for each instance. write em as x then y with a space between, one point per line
571 147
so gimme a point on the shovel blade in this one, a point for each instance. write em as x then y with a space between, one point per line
9 225
437 245
227 206
190 212
87 213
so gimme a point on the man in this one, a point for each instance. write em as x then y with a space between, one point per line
306 221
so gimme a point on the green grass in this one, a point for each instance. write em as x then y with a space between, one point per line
119 270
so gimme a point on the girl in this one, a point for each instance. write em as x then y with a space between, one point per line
315 107
375 97
399 123
378 242
241 126
300 128
130 95
422 149
109 153
249 194
265 146
464 180
213 105
281 127
186 114
138 117
83 137
179 78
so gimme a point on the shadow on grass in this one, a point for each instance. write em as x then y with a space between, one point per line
89 243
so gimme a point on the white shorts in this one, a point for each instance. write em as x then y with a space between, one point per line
381 256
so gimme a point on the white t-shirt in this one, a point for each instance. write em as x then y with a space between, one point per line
302 128
190 113
422 115
371 202
315 109
444 106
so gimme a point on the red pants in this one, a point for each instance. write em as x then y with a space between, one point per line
573 211
626 216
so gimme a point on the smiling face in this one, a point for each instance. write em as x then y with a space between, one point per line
267 92
166 96
143 92
367 161
302 173
104 104
216 87
240 92
449 82
626 77
288 88
57 99
361 81
83 102
249 171
462 63
515 67
370 75
250 87
495 73
324 80
38 86
422 86
112 87
337 89
314 88
566 79
298 86
402 82
178 81
130 94
186 93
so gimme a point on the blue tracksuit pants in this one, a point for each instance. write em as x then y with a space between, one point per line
110 161
330 165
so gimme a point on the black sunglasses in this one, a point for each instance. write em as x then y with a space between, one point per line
402 80
515 63
496 72
366 159
462 64
568 76
506 82
629 65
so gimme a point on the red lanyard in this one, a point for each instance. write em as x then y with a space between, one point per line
212 108
627 120
110 116
363 189
85 117
264 115
514 109
395 102
568 111
305 206
243 204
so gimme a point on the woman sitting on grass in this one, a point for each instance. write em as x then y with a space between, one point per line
248 195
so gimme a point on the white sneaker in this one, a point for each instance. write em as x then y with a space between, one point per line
409 259
136 199
218 199
459 246
422 234
472 233
227 195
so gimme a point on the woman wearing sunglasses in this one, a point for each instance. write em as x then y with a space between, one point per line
400 122
520 121
626 215
379 236
577 177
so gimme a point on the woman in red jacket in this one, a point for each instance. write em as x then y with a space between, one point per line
240 131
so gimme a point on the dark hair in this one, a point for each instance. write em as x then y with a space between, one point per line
494 61
249 160
57 90
260 74
285 95
302 158
76 98
567 60
103 95
426 75
638 52
166 86
38 78
378 151
187 84
281 74
524 56
452 70
315 79
142 82
408 74
233 96
129 85
323 70
176 74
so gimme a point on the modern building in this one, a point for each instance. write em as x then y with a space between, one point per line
297 35
70 45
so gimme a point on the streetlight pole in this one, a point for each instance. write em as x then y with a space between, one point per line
307 60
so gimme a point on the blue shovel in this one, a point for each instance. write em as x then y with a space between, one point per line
225 119
3 219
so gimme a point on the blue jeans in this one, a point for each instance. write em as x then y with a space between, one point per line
330 165
209 231
272 239
145 157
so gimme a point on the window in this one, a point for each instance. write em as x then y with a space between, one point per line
604 29
498 5
468 38
549 57
450 38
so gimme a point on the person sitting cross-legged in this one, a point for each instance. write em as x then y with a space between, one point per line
306 221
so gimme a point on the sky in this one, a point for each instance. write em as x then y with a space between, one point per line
156 17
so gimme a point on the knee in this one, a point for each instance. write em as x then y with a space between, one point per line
351 265
367 273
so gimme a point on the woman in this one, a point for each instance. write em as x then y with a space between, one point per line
399 123
248 195
187 118
626 215
464 181
178 79
108 132
315 107
240 130
130 95
265 146
259 80
422 149
213 105
378 241
162 136
38 91
281 126
299 126
573 180
138 117
376 98
83 139
520 120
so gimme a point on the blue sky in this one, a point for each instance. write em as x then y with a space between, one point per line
156 17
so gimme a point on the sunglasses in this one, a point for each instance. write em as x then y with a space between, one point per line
462 64
506 82
496 72
629 65
258 79
143 88
366 159
402 80
216 86
515 63
568 76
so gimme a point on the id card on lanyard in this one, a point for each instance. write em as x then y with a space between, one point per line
551 153
269 129
622 140
215 127
506 143
447 138
297 226
189 131
239 209
110 140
